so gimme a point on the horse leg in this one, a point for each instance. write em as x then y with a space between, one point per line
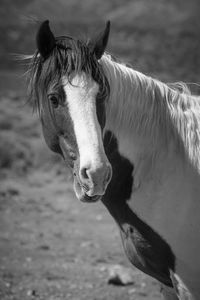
182 291
171 294
168 293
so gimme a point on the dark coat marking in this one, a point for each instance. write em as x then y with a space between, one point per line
145 248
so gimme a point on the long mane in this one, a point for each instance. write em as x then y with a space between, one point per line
151 107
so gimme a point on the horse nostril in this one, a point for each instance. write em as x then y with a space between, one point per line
84 173
94 180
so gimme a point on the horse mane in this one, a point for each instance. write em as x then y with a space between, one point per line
70 56
151 107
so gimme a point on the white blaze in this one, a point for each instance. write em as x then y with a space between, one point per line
81 100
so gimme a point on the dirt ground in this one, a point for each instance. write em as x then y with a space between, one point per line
52 247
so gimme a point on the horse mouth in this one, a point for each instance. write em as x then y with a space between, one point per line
80 192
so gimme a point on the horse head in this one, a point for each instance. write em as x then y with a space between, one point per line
70 90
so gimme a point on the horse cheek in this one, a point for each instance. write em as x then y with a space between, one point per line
51 138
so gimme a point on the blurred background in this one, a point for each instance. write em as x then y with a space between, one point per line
52 246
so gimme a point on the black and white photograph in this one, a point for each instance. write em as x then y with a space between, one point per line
99 150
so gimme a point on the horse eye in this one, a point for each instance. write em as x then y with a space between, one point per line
54 100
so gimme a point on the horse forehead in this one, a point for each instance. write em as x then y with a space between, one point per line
81 84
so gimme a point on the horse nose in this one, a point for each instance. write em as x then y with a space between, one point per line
95 179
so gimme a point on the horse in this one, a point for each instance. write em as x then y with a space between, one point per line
132 142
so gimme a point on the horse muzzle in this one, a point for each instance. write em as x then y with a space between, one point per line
91 182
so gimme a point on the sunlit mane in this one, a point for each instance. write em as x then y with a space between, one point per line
150 107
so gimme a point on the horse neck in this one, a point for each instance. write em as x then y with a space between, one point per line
135 107
150 117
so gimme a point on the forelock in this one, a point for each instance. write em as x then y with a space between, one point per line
69 57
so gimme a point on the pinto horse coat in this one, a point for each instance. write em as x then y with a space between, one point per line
132 142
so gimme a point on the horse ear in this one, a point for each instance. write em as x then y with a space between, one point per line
45 39
99 43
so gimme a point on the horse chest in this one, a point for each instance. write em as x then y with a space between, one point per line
152 257
144 247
